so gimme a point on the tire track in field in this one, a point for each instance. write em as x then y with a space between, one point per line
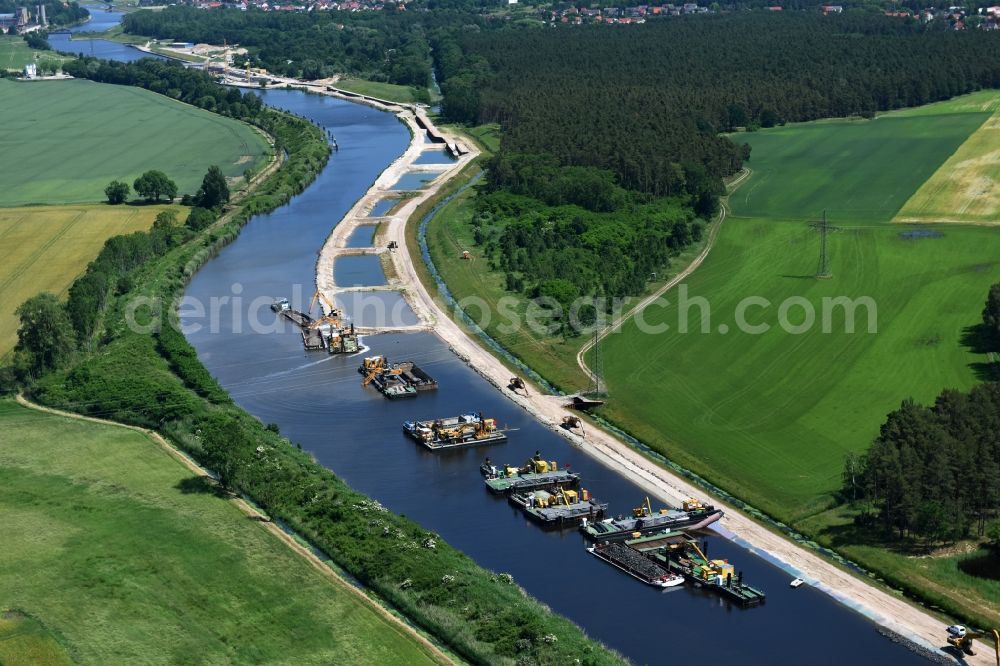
31 259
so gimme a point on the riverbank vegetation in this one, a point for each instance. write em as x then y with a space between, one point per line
159 568
155 380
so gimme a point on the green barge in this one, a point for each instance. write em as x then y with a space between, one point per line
680 553
535 474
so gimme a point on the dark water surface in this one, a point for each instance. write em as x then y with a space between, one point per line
363 236
319 402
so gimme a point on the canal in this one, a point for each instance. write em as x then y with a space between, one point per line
318 402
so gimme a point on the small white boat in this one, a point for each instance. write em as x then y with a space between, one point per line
797 582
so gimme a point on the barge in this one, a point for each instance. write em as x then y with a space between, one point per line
327 332
693 515
535 474
395 380
681 554
631 562
560 507
455 432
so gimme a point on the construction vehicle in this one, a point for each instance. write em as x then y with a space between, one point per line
572 422
961 638
331 316
517 384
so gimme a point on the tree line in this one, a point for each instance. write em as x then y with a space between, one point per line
561 253
381 46
933 472
650 103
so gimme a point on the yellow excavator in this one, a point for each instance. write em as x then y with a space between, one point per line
333 313
375 366
961 638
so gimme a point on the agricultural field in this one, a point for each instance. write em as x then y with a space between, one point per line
69 139
857 170
25 642
966 188
44 248
771 416
124 556
15 54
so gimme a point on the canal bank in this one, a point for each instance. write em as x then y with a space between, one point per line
904 620
318 402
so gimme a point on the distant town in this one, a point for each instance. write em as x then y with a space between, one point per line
958 18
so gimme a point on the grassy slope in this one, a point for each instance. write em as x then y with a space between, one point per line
15 54
770 417
114 546
44 248
389 91
103 132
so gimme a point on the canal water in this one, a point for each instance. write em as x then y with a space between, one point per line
318 402
100 21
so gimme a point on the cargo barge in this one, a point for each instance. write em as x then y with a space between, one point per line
681 554
455 432
634 564
395 380
560 507
535 474
693 515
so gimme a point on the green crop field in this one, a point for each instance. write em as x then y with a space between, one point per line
15 54
124 556
857 170
966 188
771 416
68 139
44 248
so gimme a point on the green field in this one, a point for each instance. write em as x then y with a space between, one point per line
15 54
387 91
25 642
126 557
857 170
73 137
45 248
770 417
